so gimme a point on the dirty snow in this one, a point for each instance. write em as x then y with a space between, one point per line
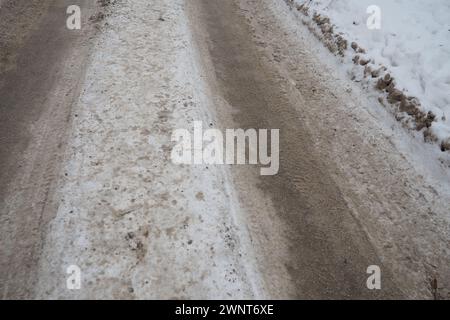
137 225
413 43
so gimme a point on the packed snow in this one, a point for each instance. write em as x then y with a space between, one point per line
128 217
412 41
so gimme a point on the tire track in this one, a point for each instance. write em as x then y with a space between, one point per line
327 251
41 73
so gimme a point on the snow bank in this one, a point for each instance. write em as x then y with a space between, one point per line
413 42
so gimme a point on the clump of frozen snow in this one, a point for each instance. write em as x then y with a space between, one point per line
413 43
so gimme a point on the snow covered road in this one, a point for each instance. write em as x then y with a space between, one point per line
354 188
